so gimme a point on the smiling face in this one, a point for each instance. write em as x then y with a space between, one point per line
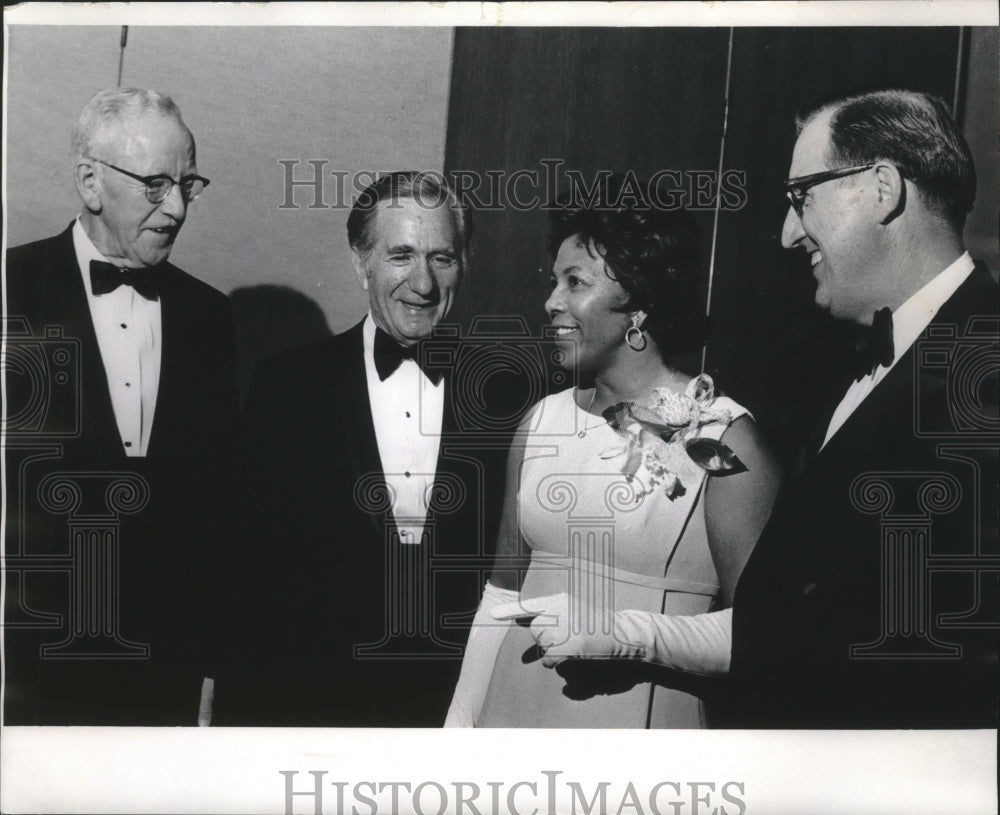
411 269
836 229
124 226
581 307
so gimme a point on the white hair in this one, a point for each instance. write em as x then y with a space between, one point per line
105 116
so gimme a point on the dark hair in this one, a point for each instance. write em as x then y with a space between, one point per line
427 188
913 130
652 252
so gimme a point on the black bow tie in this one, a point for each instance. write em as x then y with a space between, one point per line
389 355
106 277
875 348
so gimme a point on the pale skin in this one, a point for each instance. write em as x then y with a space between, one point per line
411 269
124 226
736 506
870 238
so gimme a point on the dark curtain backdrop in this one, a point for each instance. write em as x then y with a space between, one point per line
654 99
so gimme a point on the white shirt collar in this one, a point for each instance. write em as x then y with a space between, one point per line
368 334
911 318
908 323
85 252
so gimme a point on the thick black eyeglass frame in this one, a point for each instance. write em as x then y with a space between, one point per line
796 188
156 188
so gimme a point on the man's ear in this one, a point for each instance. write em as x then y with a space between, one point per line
88 187
360 267
891 191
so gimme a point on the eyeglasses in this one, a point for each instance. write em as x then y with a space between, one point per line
158 187
796 188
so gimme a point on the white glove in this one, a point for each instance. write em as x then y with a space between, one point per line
699 644
481 652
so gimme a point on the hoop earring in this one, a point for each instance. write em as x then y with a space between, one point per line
634 332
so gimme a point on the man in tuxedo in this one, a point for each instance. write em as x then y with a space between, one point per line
871 597
121 417
366 506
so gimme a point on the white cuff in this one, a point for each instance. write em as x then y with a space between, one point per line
699 644
481 651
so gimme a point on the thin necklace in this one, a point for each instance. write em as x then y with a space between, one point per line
583 432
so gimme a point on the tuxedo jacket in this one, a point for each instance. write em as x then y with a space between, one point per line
339 623
143 666
871 597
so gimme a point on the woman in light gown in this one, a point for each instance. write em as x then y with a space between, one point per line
632 501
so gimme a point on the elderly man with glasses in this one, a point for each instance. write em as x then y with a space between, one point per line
870 599
138 401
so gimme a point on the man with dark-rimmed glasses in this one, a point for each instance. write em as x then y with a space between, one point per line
136 411
871 597
870 600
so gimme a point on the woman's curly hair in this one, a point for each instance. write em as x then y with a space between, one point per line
653 252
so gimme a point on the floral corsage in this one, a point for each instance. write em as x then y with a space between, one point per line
661 442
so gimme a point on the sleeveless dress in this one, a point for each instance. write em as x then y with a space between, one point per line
594 534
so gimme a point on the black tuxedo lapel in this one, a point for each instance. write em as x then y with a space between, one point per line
447 467
162 552
813 445
977 296
893 402
890 403
65 305
174 315
177 360
358 431
814 585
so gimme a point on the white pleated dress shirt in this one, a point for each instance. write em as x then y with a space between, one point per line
908 323
130 337
406 410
